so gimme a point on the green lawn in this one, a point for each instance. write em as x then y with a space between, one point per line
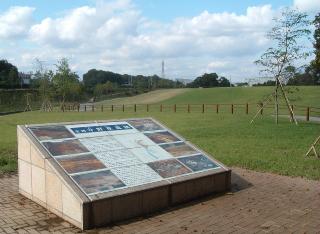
300 95
230 138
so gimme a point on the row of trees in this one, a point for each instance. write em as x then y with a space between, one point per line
208 80
98 77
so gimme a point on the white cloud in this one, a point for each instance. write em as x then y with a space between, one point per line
15 22
312 6
115 36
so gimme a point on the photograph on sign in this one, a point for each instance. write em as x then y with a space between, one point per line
80 163
179 149
51 132
65 147
169 168
198 162
144 125
162 137
98 181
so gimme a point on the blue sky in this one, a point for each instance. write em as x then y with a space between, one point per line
163 10
134 36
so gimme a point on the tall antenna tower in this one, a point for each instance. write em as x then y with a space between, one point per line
162 69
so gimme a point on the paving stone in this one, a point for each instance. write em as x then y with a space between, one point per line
258 203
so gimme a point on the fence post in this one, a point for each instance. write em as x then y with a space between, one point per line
85 108
160 107
111 108
135 107
232 108
92 108
308 114
188 108
175 107
261 108
78 107
101 108
247 108
202 108
217 108
122 107
147 107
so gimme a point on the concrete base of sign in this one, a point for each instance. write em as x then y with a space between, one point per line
42 180
109 210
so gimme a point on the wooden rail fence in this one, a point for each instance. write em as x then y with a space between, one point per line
232 108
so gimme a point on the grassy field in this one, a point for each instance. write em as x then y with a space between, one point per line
302 95
262 146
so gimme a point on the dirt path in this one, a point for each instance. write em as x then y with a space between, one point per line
146 98
258 203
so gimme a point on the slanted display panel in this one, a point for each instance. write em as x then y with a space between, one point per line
102 157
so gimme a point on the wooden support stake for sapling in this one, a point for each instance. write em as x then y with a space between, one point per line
308 114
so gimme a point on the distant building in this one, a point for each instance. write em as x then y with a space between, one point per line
25 79
184 81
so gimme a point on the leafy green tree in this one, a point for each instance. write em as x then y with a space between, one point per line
210 80
98 90
65 81
223 82
9 77
314 67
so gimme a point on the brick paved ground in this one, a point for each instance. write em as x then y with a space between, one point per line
259 203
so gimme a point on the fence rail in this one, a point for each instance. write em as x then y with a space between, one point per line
232 108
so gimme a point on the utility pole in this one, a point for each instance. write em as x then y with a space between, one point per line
162 70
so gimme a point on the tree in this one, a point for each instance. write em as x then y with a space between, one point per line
289 28
44 78
9 77
223 82
209 80
314 67
65 81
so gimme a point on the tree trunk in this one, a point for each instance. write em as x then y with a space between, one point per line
276 104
